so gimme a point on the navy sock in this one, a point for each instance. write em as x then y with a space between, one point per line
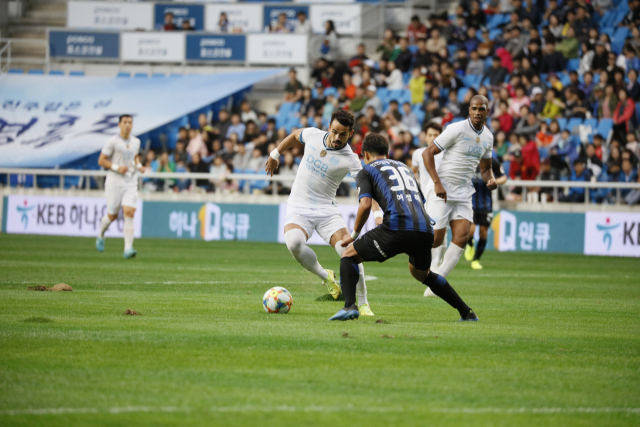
443 289
470 241
482 243
349 276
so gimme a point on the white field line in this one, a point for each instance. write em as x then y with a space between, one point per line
326 409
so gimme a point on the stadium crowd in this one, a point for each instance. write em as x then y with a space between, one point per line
562 80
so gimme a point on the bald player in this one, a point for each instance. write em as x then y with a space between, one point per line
465 144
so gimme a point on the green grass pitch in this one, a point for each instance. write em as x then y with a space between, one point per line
558 342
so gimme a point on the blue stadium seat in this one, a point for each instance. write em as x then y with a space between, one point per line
124 75
25 181
604 127
39 72
158 75
617 41
573 124
462 92
56 73
573 64
141 76
562 122
76 73
494 33
564 79
15 71
175 75
382 93
395 95
330 91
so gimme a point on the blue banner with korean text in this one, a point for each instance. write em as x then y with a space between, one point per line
81 44
213 47
178 13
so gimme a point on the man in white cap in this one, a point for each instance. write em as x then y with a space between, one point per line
373 101
537 100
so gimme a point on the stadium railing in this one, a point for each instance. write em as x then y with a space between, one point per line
62 173
5 53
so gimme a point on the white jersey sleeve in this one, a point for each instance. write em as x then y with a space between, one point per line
448 138
109 147
488 153
355 167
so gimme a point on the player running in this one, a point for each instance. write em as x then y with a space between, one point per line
482 213
465 144
431 130
312 204
406 228
121 156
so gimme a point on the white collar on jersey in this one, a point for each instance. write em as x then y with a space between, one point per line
126 141
474 129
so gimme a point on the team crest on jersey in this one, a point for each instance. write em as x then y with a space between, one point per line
478 139
323 153
334 161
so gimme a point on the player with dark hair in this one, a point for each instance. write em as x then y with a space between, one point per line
465 144
312 204
121 156
406 229
482 213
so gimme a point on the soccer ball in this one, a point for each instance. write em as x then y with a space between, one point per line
277 300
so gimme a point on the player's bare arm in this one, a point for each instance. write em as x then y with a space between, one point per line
430 164
364 208
106 163
487 174
286 144
141 169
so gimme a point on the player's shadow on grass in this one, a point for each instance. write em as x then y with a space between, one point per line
328 297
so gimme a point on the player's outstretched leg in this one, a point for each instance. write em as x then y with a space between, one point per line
105 222
443 289
361 288
296 242
349 274
437 257
129 231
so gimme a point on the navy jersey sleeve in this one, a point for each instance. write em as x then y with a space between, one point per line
498 171
365 187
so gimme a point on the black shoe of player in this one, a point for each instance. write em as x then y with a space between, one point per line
471 317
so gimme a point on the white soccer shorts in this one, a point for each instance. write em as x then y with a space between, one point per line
121 195
442 213
325 221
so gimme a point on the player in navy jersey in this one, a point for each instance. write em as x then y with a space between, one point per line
482 213
406 229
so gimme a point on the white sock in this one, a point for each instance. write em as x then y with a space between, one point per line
361 287
129 229
437 255
297 245
451 258
105 222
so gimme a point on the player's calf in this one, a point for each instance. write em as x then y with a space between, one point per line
443 289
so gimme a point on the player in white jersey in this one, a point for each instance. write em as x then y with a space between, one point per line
312 204
121 156
431 132
465 144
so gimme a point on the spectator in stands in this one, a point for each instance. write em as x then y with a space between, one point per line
553 106
476 17
320 99
582 24
349 87
282 25
634 40
587 84
592 162
183 136
242 155
199 166
247 113
579 174
293 88
222 125
236 127
537 101
496 73
459 32
394 81
475 66
169 24
165 164
569 45
302 26
179 154
632 18
547 173
416 30
402 56
602 6
359 100
223 23
436 42
600 58
410 120
624 117
517 102
330 49
517 42
387 45
373 119
628 60
552 61
288 168
196 144
632 144
251 132
529 127
257 160
360 56
186 25
416 86
575 106
633 87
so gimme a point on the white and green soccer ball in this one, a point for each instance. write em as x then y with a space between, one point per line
277 300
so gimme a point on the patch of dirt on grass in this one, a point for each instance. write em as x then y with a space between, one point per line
129 312
328 297
387 336
54 288
38 320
